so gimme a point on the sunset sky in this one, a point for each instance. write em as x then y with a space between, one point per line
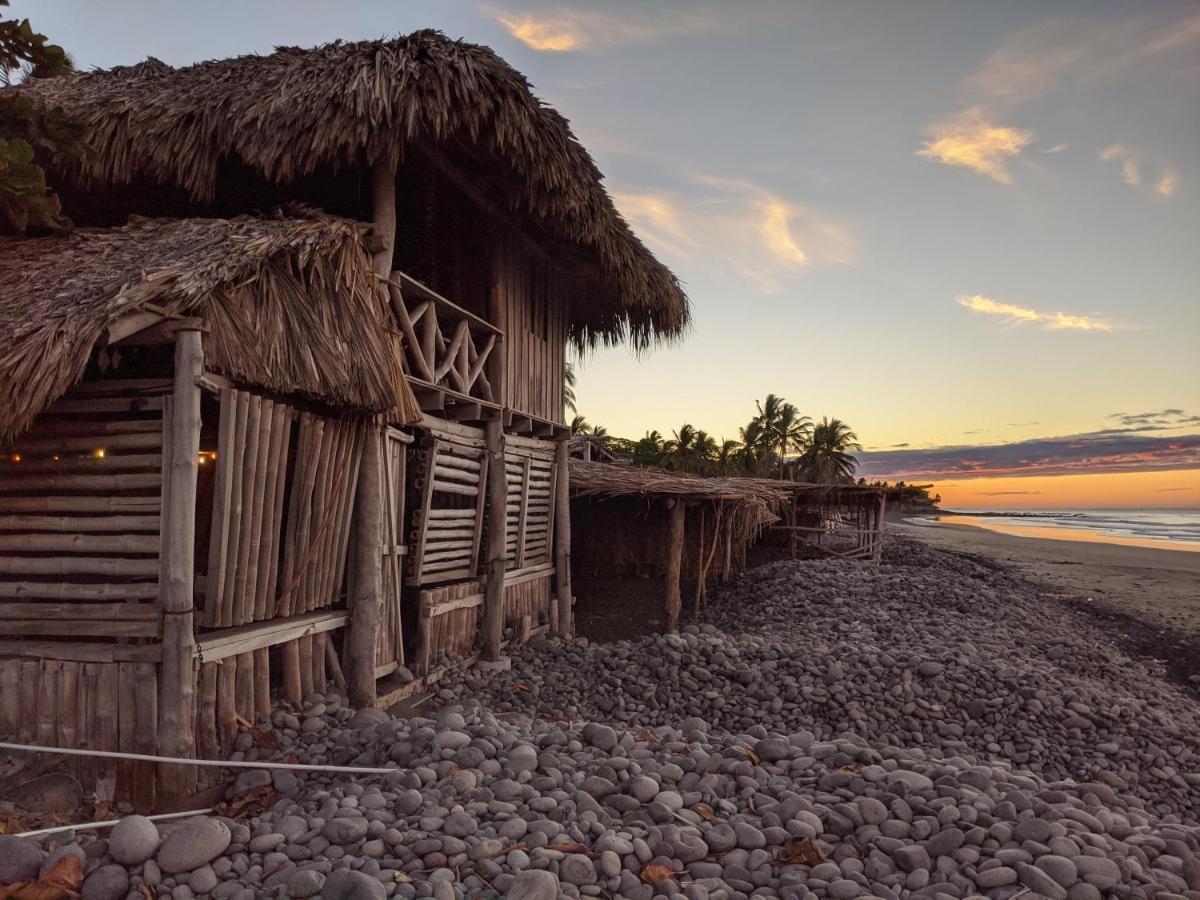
968 229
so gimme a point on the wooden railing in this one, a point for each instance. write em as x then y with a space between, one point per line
446 346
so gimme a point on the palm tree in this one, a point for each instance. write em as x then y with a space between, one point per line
783 428
579 425
754 446
569 387
727 455
690 449
649 450
826 458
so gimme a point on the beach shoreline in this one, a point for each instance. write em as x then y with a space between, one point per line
1149 598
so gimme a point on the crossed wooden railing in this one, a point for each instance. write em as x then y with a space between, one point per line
446 346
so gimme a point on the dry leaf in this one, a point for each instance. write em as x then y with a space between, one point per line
264 739
849 768
569 848
521 686
655 874
802 852
703 811
146 892
645 736
62 882
749 751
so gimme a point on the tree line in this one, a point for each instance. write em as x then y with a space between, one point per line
777 442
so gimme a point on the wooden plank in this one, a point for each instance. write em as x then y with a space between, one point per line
218 645
117 462
146 733
43 542
177 728
253 481
227 702
262 682
268 561
344 524
62 590
219 531
207 742
233 510
77 443
84 426
79 651
562 542
122 386
14 482
80 627
78 504
366 602
78 565
107 707
79 523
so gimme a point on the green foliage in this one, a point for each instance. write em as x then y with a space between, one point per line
826 457
29 132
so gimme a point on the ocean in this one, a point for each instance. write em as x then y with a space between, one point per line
1167 528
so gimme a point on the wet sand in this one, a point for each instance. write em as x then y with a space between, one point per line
1159 587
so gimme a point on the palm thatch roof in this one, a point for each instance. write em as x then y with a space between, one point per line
341 104
292 302
607 479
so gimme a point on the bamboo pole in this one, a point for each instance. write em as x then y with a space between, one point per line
674 565
562 538
366 602
497 545
177 712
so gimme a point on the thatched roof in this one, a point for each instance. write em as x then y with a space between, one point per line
606 479
292 303
289 113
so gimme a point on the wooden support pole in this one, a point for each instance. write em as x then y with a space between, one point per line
562 540
177 701
497 544
366 604
675 565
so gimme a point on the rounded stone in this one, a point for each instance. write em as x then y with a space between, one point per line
106 883
20 859
534 884
133 840
189 847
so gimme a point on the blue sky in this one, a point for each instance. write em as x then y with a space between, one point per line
947 223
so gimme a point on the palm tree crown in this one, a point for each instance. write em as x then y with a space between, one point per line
826 458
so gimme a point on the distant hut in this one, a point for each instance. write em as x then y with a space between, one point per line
248 451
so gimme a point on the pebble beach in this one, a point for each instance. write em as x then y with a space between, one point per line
928 727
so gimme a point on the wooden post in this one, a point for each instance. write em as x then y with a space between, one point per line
562 539
877 549
497 544
366 604
177 702
498 314
367 599
675 565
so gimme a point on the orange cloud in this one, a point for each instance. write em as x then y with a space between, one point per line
1056 321
1132 167
778 236
656 217
559 30
974 143
550 35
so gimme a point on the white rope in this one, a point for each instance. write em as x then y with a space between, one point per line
216 763
91 826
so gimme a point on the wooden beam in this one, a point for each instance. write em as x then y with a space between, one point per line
562 540
367 600
674 600
177 710
497 552
227 642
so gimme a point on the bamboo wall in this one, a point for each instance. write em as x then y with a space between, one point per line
628 537
531 472
531 309
80 498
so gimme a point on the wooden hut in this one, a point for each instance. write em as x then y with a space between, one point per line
248 452
637 522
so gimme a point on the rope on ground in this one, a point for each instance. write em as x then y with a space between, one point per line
215 763
92 826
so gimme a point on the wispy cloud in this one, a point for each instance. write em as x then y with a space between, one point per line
1157 420
1051 56
1133 167
1010 312
972 142
1091 452
562 30
736 225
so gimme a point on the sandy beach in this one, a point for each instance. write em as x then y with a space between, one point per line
1160 587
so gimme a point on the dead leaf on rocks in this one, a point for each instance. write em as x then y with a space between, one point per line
249 803
703 811
802 852
265 740
62 882
754 758
849 768
645 736
571 848
145 892
655 874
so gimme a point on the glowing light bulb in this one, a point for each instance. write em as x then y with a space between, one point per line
99 453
